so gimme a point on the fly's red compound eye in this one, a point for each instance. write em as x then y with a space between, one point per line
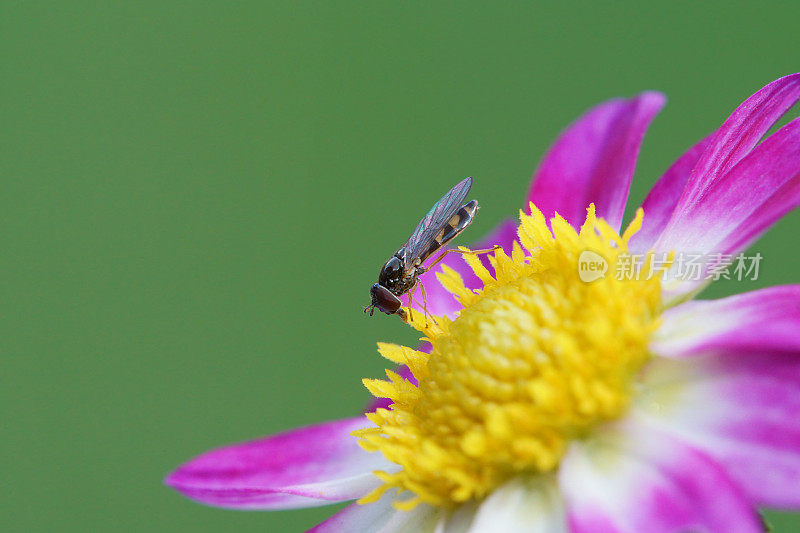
384 300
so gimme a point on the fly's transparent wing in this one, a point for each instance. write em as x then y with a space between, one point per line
420 244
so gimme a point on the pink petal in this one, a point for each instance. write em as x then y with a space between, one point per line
381 517
774 195
593 161
310 466
767 320
635 478
742 410
440 301
731 210
738 207
741 132
735 191
663 197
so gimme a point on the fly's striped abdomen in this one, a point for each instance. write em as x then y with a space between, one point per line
458 223
451 229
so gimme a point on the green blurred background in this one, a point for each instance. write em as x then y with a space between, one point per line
197 199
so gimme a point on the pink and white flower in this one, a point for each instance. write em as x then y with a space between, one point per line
713 429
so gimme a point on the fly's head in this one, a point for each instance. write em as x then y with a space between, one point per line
383 299
390 285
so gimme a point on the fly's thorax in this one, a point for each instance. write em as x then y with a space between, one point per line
405 284
391 273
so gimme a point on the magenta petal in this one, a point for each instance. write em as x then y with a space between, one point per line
774 195
741 132
641 479
660 202
735 209
310 466
767 320
593 161
741 409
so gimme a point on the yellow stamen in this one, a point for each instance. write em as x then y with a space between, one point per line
535 359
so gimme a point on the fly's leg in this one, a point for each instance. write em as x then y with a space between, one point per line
425 303
456 250
410 294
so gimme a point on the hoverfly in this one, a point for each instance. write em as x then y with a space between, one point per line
400 274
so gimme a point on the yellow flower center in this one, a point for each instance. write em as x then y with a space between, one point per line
537 358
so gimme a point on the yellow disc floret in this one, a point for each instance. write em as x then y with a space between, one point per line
542 354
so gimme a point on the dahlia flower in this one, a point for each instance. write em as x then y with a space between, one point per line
544 401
